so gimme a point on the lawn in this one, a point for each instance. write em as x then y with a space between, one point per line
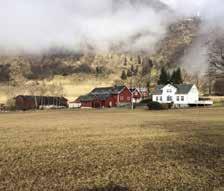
121 150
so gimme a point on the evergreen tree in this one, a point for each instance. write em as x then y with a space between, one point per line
173 77
179 79
136 71
129 73
147 66
164 77
123 75
176 77
132 68
139 60
125 61
148 86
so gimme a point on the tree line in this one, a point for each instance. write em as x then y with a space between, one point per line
166 77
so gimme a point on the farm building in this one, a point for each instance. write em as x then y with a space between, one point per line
26 102
106 97
73 105
139 94
181 95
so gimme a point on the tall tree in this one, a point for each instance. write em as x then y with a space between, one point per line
216 55
210 78
129 73
164 77
139 60
179 79
123 75
125 61
147 66
176 77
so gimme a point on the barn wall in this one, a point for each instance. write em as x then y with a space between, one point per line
125 96
86 104
111 101
24 104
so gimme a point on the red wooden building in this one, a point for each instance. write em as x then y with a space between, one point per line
139 94
106 97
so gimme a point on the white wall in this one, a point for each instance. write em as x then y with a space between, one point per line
74 105
193 95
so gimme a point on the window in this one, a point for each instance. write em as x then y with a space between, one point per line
121 98
136 93
157 98
161 98
169 98
169 91
129 98
182 98
178 98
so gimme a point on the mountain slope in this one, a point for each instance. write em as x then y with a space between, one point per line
101 69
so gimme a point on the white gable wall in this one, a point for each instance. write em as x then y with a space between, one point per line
193 95
168 91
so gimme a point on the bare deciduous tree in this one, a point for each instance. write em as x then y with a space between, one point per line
216 55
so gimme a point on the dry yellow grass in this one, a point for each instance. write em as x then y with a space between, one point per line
78 85
112 150
73 86
3 93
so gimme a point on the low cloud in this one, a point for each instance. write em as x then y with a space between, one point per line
135 25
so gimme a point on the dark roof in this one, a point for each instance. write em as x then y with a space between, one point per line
158 90
107 90
118 89
103 90
181 88
92 97
87 97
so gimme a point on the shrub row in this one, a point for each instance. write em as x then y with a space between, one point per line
158 106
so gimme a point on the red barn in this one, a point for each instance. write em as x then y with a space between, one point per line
106 97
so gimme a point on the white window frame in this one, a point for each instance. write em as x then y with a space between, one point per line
169 98
182 98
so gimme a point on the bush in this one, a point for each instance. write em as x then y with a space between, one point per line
157 106
11 104
146 101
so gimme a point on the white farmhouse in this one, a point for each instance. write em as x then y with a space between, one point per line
181 95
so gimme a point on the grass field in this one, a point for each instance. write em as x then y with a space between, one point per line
118 150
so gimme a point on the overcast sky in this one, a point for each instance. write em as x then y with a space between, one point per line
34 25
